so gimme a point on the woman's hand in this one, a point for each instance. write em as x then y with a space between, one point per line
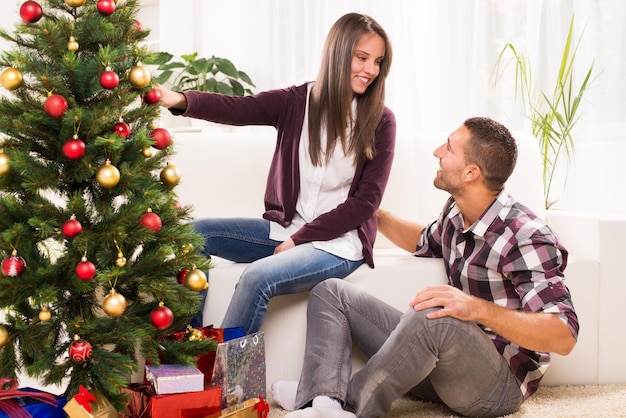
171 99
284 246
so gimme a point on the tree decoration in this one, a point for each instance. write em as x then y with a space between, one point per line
80 350
85 270
137 26
72 44
75 3
122 129
55 106
105 7
196 280
120 261
152 97
30 11
147 152
11 78
180 277
5 163
4 336
170 175
44 314
194 334
109 79
72 228
162 317
162 138
74 148
108 175
114 304
151 220
139 76
13 265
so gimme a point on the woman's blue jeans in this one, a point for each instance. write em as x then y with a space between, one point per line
245 240
442 360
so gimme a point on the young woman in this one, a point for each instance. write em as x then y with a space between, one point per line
335 145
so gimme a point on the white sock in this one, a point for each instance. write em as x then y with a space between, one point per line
323 407
284 393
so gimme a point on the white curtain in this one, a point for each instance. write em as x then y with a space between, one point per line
445 53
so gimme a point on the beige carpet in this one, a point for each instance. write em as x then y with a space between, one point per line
604 401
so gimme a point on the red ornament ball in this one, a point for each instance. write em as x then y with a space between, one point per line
72 228
80 350
162 138
105 7
74 149
122 129
152 97
55 106
109 79
137 26
151 221
13 265
30 11
162 317
85 270
180 277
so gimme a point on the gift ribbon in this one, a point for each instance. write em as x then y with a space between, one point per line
11 407
83 397
262 408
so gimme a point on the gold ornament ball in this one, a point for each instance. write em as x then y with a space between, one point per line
4 336
195 335
72 45
195 280
108 175
11 78
170 175
147 152
139 76
75 3
44 314
5 166
114 304
121 260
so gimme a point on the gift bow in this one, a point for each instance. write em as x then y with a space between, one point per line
11 407
262 408
83 397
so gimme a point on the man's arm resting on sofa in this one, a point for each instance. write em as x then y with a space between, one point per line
405 234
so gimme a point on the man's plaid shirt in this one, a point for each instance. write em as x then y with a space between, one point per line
511 258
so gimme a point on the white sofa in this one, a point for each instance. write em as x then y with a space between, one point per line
224 174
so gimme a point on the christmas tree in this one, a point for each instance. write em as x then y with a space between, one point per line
95 245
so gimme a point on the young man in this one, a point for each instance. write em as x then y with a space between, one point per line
480 344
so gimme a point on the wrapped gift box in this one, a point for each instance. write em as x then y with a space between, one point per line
35 403
87 405
252 408
188 405
174 378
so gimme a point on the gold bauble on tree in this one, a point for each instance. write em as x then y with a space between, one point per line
75 3
194 334
114 304
44 314
139 76
11 78
4 336
170 175
195 280
108 175
72 44
5 165
147 152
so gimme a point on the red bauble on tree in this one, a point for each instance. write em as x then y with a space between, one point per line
151 220
162 138
152 97
105 7
85 270
122 129
162 316
80 350
180 277
13 265
72 227
74 149
30 11
55 106
109 79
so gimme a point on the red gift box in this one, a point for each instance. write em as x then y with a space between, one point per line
186 405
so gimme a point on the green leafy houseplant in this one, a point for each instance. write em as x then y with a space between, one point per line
212 74
552 115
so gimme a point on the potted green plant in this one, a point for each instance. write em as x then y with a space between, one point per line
552 115
212 74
